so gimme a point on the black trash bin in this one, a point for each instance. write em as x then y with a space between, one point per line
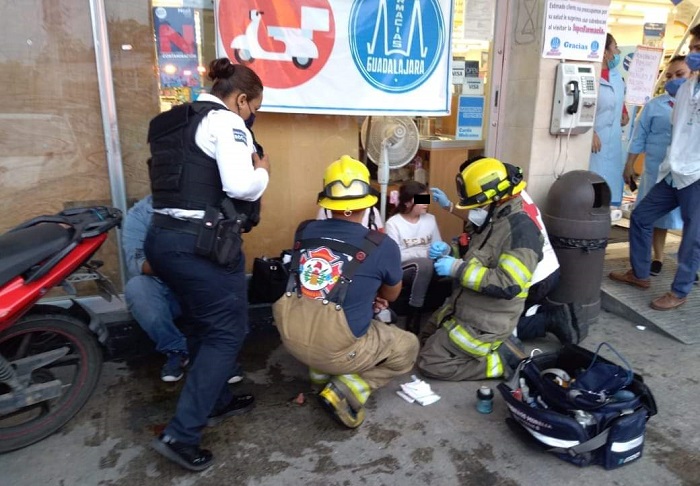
577 218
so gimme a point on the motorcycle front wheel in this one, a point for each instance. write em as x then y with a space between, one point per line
302 62
78 370
243 56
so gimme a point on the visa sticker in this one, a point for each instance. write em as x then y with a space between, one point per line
240 136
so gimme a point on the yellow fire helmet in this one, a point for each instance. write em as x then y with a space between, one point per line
346 186
487 180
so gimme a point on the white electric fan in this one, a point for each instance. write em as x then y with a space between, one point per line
392 142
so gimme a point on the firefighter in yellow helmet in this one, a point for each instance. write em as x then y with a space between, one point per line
342 272
465 336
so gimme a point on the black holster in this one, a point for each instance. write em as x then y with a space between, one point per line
220 239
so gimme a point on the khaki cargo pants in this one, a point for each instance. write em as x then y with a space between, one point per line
322 340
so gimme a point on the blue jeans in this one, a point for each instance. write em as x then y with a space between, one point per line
214 298
661 199
418 273
155 308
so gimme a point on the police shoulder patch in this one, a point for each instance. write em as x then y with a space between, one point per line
240 136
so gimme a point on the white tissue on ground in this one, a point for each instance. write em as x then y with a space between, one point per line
419 391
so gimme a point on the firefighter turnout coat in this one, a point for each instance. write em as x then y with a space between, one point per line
463 336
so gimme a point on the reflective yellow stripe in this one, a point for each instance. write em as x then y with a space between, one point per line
468 343
515 268
318 377
526 290
358 387
442 312
473 275
494 365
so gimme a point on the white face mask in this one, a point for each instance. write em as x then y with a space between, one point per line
478 216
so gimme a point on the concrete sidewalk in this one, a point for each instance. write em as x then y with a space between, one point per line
447 443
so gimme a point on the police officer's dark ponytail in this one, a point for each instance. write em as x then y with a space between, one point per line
229 77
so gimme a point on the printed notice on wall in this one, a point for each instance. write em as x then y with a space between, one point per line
575 30
470 118
478 20
643 73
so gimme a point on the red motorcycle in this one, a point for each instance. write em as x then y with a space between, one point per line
50 355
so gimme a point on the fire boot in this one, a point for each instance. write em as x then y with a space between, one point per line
335 402
560 324
511 352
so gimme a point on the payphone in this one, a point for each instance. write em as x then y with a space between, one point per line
575 98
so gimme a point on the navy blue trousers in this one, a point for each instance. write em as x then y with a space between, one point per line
214 300
659 201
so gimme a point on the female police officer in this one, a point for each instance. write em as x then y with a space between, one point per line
206 180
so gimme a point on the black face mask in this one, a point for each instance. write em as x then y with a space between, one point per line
249 121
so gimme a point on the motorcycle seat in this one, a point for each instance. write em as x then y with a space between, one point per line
20 250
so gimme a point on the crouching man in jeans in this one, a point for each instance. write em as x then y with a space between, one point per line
152 304
343 273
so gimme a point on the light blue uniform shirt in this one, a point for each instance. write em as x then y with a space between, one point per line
134 231
652 136
608 162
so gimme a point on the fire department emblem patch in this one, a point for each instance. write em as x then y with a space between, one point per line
320 269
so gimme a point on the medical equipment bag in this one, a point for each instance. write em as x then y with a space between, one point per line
580 406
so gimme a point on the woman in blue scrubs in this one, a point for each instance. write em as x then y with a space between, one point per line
606 149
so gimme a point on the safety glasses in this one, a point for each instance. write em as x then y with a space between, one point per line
355 190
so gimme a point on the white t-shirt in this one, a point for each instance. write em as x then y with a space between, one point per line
323 213
414 239
683 156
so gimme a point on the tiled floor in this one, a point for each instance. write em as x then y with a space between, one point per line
632 303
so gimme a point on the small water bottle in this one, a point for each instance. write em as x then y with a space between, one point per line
484 400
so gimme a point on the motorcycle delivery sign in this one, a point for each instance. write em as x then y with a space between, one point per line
286 43
359 57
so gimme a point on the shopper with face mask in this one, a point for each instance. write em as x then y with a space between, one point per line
606 149
678 186
652 135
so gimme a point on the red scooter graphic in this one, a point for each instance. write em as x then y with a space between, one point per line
299 46
50 356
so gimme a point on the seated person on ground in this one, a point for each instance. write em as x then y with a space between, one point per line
413 229
151 303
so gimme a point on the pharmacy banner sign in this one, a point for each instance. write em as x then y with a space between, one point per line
361 57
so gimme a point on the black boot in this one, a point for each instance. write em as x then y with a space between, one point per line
188 456
512 352
560 324
413 320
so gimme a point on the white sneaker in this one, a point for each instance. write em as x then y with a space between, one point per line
235 379
615 215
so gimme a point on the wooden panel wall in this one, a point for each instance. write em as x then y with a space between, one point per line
300 149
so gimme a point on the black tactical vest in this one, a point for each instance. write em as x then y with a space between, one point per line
182 175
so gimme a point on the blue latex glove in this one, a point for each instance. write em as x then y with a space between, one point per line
438 249
440 197
444 265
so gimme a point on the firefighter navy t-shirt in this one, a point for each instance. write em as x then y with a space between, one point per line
321 267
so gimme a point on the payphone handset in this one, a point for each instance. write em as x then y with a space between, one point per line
575 97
